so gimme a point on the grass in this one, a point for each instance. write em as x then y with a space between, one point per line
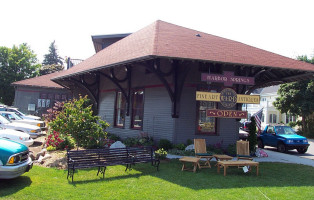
275 181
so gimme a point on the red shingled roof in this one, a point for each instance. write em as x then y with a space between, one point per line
40 81
168 40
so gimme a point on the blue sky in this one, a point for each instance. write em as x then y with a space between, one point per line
281 26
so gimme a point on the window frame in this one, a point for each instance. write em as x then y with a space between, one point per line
116 109
271 118
132 124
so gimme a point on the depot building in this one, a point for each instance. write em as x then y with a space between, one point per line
176 83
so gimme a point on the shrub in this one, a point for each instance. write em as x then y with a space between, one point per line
77 119
142 140
180 146
53 112
53 139
130 142
113 137
165 144
189 142
232 149
51 148
145 140
58 141
68 143
161 154
181 152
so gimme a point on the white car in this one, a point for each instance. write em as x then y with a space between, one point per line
33 131
19 113
16 136
12 116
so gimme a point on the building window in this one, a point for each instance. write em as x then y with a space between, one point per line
119 112
64 97
290 118
206 125
57 96
272 118
137 109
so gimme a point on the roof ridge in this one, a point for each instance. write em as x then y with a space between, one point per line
155 40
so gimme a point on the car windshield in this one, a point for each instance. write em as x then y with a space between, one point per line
17 117
4 120
16 111
284 130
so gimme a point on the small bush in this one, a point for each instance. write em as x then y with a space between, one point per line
165 144
142 140
181 152
189 142
145 140
130 142
161 154
51 148
68 143
180 146
113 137
232 149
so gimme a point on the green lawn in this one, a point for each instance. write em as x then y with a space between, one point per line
275 181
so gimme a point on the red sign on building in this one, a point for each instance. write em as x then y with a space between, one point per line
226 113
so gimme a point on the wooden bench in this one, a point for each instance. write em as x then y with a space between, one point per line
238 163
101 158
193 160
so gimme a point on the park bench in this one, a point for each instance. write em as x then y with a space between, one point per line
101 158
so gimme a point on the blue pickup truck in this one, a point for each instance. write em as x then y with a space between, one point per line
282 137
14 159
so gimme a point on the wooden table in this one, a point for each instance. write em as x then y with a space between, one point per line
238 163
220 157
193 160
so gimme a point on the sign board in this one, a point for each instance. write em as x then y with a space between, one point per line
226 113
227 97
31 107
228 79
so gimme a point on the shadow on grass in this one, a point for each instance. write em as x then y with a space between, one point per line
11 186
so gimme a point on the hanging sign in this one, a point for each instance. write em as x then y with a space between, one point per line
228 97
226 113
228 78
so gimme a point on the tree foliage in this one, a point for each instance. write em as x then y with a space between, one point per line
16 63
52 61
297 98
77 119
52 57
48 69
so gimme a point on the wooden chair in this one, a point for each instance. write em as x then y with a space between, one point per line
243 150
200 152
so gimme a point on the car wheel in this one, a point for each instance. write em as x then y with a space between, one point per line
260 144
302 150
281 148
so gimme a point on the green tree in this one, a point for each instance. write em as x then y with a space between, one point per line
16 63
297 98
52 57
48 69
52 61
77 120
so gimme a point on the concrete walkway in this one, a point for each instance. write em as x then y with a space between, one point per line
273 157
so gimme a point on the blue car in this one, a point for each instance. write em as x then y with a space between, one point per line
14 159
282 137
